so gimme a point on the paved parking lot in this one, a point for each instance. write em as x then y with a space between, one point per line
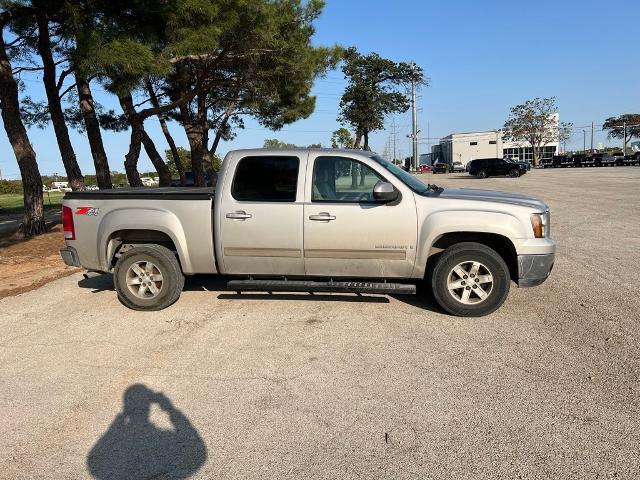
299 386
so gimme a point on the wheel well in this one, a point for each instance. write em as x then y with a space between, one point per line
122 240
501 244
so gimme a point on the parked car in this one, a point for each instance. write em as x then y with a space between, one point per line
291 220
603 160
582 160
618 158
424 168
441 167
633 159
457 167
487 167
546 162
563 161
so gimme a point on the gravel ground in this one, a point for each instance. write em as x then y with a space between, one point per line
297 386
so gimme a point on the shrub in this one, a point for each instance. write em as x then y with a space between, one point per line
10 186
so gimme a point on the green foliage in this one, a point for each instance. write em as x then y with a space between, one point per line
275 143
534 122
185 157
10 186
616 126
341 138
374 90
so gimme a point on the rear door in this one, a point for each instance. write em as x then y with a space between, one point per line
260 215
346 232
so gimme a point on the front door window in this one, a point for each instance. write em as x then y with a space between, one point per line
343 180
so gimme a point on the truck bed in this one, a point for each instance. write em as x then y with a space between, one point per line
142 193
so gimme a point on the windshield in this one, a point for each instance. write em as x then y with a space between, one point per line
405 177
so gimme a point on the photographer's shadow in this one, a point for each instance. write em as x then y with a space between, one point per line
134 448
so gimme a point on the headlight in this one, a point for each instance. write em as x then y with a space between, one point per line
540 223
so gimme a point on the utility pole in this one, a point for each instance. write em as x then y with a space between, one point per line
624 139
591 137
414 121
584 141
394 132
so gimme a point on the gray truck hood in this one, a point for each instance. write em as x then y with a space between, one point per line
493 196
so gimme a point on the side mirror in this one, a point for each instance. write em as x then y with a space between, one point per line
384 192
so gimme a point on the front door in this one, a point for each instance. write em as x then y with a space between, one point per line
261 216
346 232
501 167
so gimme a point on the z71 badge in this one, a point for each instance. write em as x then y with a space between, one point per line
91 211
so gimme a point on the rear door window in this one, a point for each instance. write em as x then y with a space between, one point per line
266 179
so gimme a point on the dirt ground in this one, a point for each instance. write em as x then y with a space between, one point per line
29 264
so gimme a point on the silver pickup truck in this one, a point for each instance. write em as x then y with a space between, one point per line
312 220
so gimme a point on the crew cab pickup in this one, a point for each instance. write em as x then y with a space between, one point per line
312 220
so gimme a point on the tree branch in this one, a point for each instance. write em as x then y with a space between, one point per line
63 75
17 70
67 90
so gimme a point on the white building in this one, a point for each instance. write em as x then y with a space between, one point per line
464 147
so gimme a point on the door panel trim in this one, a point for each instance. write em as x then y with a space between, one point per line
356 254
262 252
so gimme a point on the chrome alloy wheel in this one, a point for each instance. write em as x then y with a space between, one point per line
144 280
470 282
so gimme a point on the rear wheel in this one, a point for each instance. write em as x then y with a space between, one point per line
482 174
470 280
148 277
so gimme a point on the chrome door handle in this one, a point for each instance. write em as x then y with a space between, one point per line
239 215
322 217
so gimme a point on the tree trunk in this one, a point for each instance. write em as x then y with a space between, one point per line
138 135
33 222
357 139
354 175
536 155
221 128
364 147
132 156
156 159
91 124
195 134
74 175
167 134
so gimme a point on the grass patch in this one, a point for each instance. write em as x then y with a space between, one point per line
13 203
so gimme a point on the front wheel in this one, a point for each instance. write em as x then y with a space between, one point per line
513 173
470 280
148 277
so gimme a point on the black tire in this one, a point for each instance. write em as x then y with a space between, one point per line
513 173
168 266
470 252
482 174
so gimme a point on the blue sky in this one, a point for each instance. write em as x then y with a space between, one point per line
481 57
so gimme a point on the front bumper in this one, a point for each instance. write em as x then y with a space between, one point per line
534 269
70 256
